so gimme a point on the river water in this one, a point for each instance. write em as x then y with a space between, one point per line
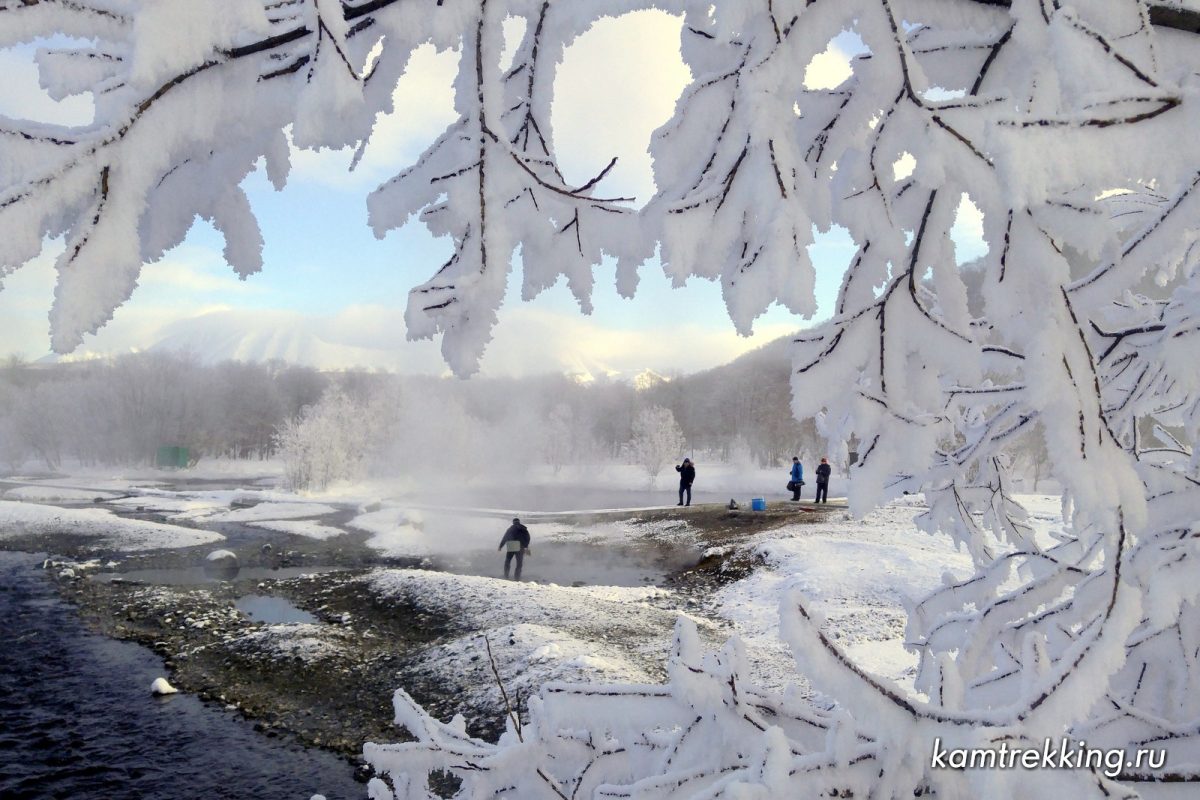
77 719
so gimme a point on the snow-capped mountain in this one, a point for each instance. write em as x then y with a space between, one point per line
373 338
322 342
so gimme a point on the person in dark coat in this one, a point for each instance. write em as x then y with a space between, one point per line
823 470
797 480
516 543
687 474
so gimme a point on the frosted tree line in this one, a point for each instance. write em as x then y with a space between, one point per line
1070 128
119 411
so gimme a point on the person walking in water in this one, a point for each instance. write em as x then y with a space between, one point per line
823 470
516 545
797 480
687 474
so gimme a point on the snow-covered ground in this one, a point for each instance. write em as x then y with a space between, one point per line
107 529
56 494
301 527
267 511
859 574
537 632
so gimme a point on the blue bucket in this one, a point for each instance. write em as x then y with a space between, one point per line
758 504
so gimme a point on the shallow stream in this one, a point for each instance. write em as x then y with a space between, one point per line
79 719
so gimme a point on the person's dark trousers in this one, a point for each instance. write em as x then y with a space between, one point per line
822 493
685 487
520 556
796 491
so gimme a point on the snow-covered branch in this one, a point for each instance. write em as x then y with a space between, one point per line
1068 131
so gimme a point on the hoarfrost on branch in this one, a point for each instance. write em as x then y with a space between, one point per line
1071 128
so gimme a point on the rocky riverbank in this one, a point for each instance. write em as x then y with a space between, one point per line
374 624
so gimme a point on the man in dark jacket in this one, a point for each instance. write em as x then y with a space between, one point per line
823 470
516 543
687 474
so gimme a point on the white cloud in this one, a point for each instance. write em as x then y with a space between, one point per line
22 97
618 82
592 119
827 70
424 107
531 340
195 269
25 297
831 67
967 232
182 284
528 340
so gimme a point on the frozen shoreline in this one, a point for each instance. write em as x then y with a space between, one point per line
856 572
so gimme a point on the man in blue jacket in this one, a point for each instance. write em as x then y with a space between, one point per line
797 477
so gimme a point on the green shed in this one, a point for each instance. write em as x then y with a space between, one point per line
172 456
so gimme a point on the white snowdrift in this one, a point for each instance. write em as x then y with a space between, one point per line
55 494
303 527
857 573
539 632
175 506
272 511
527 656
108 530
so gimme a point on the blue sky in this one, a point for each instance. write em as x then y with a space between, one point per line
327 278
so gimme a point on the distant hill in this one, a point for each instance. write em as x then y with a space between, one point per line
747 399
263 336
336 344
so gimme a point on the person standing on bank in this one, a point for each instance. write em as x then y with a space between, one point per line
687 474
516 543
823 470
797 480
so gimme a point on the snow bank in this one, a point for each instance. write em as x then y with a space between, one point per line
175 506
273 511
55 494
526 656
306 528
857 573
541 632
109 530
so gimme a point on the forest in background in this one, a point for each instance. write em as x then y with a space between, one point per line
119 411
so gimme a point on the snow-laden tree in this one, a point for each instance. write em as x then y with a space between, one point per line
656 440
329 441
1070 128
